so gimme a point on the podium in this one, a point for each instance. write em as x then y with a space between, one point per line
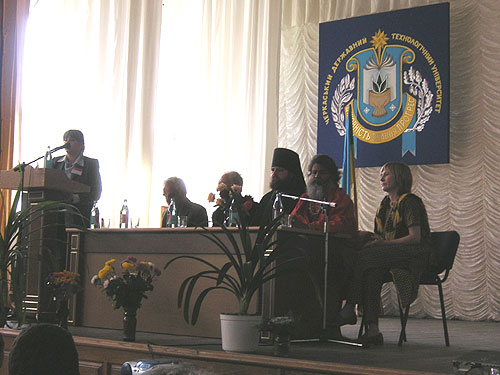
43 233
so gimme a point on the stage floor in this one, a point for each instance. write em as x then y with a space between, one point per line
425 350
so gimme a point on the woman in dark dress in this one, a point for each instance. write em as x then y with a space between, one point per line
401 245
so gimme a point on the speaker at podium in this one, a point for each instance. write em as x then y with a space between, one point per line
41 185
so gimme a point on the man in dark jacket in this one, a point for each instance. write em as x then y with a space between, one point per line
286 178
174 191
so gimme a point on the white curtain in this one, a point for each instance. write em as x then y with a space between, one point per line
217 97
462 195
179 88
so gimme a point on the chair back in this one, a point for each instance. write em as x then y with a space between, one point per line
445 248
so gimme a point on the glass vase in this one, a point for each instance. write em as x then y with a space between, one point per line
62 312
129 323
281 345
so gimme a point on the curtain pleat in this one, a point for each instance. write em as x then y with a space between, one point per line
14 14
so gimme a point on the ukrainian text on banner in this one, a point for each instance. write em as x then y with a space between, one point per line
389 74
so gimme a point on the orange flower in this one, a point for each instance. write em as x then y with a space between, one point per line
221 186
211 197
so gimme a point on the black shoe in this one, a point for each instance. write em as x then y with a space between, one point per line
376 339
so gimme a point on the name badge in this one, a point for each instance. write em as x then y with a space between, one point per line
77 170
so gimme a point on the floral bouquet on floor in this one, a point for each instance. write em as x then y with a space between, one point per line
63 285
128 288
230 202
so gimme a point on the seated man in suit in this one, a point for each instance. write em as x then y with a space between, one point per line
227 182
174 191
81 169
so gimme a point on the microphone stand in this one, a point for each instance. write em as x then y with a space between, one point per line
323 337
22 167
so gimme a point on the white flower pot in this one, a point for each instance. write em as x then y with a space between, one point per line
240 333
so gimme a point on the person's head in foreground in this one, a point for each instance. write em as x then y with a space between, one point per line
43 349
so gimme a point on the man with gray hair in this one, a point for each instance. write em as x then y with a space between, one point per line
323 185
227 182
174 190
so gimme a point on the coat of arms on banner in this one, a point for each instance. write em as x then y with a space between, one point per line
386 77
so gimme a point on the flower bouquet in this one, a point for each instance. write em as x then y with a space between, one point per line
128 289
63 285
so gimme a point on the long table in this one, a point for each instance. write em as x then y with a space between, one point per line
89 250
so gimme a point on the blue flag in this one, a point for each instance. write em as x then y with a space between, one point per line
348 165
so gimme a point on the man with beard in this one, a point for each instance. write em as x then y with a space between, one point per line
286 178
322 185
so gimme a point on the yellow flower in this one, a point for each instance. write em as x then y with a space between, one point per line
105 272
128 266
110 262
211 197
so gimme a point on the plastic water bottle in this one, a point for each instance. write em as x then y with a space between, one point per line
277 206
124 215
233 217
94 216
47 161
172 215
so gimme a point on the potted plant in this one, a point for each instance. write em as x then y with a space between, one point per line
248 267
14 243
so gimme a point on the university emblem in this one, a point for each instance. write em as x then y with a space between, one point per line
387 86
388 101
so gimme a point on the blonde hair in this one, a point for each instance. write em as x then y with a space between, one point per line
402 175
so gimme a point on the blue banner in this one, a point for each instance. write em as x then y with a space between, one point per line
389 74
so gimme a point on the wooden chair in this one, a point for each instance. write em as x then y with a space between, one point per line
445 247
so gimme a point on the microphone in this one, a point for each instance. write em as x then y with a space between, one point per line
66 145
324 203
